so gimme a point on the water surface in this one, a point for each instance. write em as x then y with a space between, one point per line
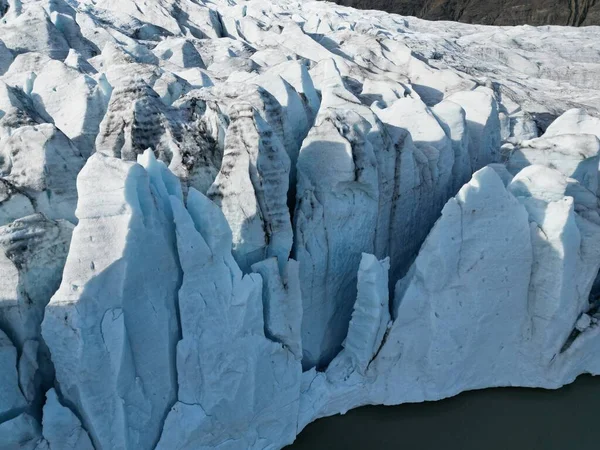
492 419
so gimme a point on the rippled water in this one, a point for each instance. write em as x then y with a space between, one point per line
503 419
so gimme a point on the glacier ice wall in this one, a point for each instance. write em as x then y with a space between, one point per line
220 221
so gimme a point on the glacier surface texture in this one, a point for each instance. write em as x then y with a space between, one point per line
222 220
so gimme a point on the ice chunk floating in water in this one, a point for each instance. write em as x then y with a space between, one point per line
220 221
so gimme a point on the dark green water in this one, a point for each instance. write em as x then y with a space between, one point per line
502 419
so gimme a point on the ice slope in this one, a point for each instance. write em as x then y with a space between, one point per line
114 318
498 296
220 221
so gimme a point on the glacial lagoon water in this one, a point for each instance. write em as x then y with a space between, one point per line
491 419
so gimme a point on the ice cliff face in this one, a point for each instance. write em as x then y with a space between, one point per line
220 221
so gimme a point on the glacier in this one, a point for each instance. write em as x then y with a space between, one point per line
222 220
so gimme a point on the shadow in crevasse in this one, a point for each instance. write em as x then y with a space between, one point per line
91 127
417 203
4 7
429 95
543 121
11 315
329 44
335 221
391 216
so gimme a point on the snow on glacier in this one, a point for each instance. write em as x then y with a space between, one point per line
220 221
